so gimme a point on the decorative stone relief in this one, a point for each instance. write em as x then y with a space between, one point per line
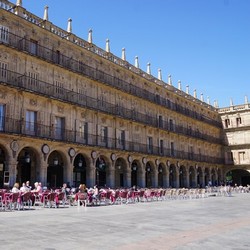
2 94
60 109
33 102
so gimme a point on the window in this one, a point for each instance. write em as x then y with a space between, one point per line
161 149
122 139
104 135
150 144
59 127
238 121
83 132
241 157
2 114
3 71
160 122
4 34
191 153
33 47
172 149
58 87
80 66
30 122
171 125
32 80
230 156
227 123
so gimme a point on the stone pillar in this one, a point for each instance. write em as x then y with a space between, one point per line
177 181
128 177
90 175
155 179
141 178
12 168
195 179
166 180
111 177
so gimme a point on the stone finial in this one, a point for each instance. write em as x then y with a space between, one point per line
208 100
149 68
159 75
215 103
169 80
46 15
187 89
123 54
202 97
90 36
179 84
19 3
246 99
136 62
195 94
231 102
69 28
107 46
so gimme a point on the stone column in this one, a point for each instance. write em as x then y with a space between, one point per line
128 177
111 177
90 175
166 180
12 168
155 179
177 180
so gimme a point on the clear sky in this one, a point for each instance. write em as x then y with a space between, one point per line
203 43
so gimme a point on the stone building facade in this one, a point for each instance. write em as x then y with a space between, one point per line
236 124
73 112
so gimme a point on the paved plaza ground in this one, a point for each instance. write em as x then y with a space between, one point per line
206 223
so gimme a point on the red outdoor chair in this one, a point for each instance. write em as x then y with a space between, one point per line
82 198
26 199
11 200
60 199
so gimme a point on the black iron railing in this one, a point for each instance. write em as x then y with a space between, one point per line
26 83
36 130
23 44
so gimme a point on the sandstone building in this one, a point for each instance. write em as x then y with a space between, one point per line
73 112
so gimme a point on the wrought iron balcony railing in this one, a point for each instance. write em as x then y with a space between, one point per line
26 83
52 56
36 130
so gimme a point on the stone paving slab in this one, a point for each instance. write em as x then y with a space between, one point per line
207 223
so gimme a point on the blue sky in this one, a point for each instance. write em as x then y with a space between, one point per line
203 43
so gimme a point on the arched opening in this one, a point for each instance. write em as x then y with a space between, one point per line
120 172
148 175
160 176
191 177
182 177
199 177
172 176
79 171
55 170
238 177
101 172
26 167
206 177
134 174
4 175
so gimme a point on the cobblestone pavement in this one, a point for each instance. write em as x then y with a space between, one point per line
207 223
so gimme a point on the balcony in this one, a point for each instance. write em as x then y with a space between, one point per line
49 55
26 83
36 130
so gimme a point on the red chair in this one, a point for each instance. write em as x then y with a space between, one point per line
11 200
25 199
61 199
82 198
51 199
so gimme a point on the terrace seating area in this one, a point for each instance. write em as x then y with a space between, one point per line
57 199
